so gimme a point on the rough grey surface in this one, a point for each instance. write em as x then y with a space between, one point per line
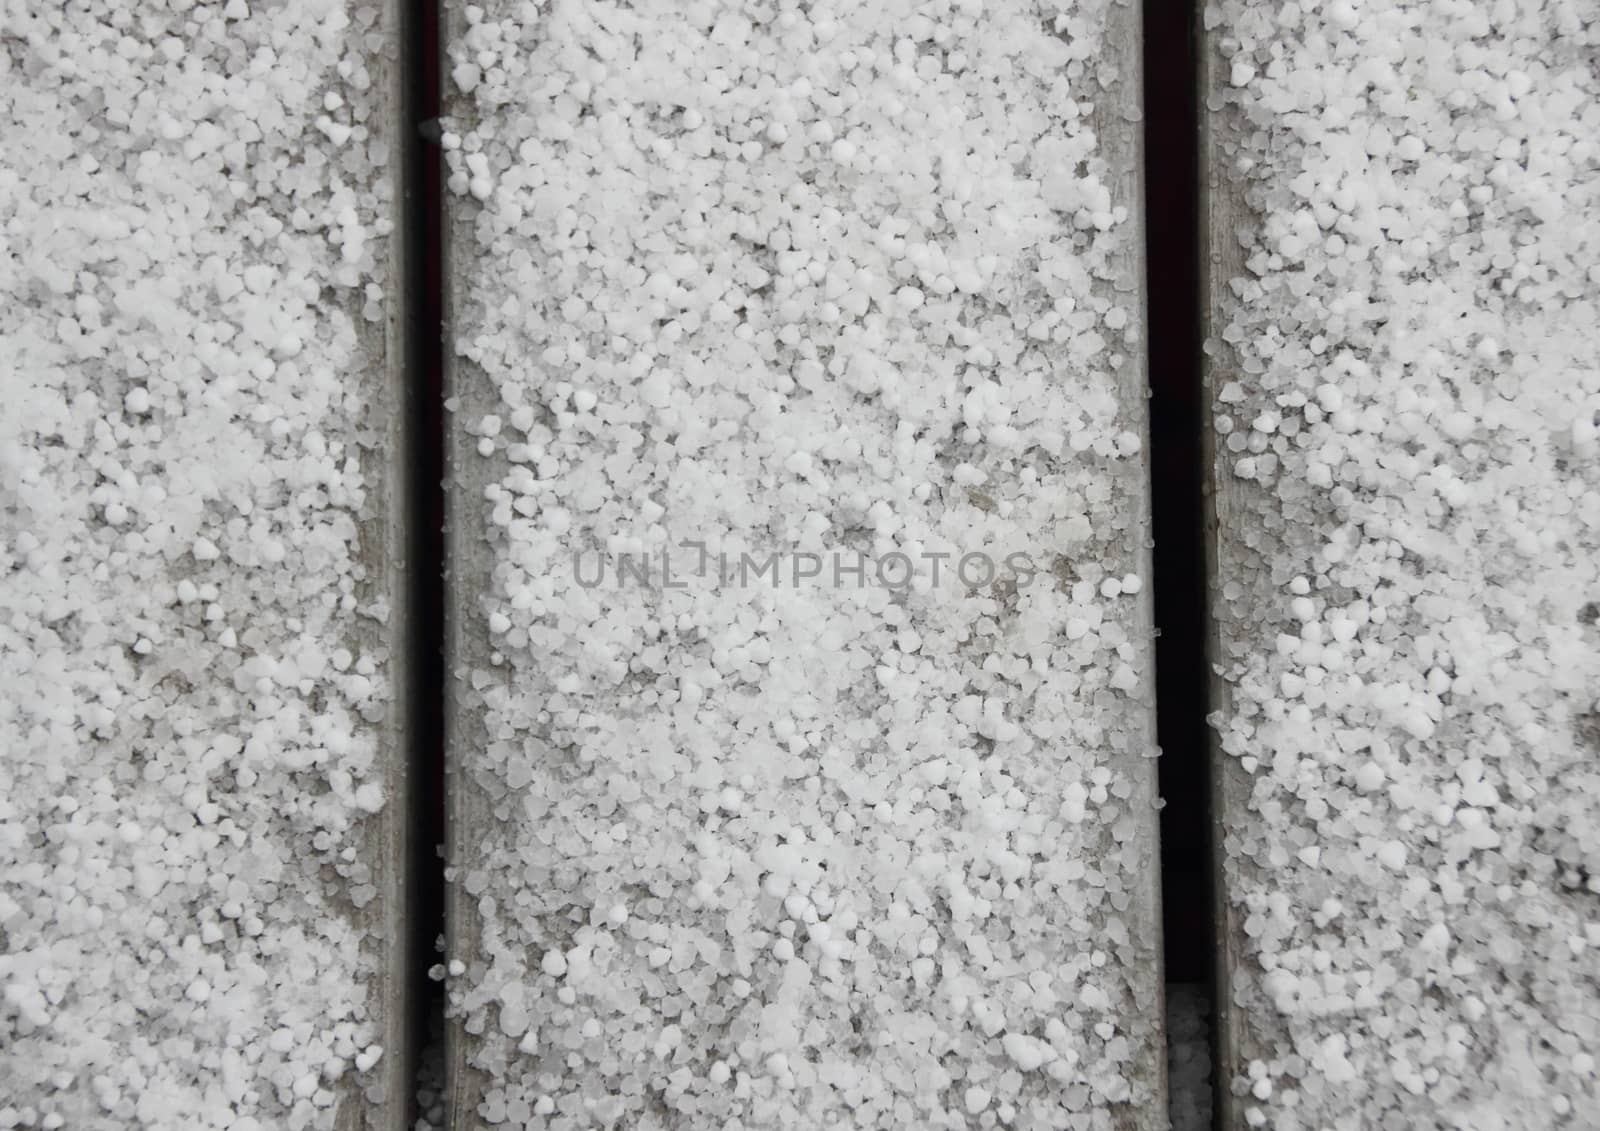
553 936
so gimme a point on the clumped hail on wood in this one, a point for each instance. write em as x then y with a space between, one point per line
1410 561
193 201
802 279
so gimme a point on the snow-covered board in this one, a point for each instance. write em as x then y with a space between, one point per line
757 312
1403 217
202 780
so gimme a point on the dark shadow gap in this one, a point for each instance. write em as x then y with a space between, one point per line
422 211
1172 196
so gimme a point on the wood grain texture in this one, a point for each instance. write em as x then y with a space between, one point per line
469 558
475 820
1236 577
1118 122
380 1099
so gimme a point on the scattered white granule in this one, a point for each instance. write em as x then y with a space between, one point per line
1026 1052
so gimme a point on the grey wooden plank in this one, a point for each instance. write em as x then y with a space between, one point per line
381 1100
1227 224
482 816
471 818
1372 888
231 948
469 566
1118 123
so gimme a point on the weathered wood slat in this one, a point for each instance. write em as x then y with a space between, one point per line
471 819
1118 125
203 765
381 1101
1226 221
1403 564
511 928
